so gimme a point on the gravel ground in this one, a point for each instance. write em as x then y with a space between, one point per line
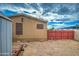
52 48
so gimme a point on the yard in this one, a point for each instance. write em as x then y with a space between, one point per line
52 48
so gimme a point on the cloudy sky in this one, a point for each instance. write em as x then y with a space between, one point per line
59 15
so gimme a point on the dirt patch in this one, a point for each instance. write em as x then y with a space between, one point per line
52 48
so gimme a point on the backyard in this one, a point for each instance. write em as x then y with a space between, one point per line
52 48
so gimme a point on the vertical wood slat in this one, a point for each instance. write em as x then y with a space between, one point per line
60 34
9 37
3 37
0 38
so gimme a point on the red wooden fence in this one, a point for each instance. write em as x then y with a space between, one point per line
60 34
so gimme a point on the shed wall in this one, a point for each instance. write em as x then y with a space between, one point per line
5 37
0 37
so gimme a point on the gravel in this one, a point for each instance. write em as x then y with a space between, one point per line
52 48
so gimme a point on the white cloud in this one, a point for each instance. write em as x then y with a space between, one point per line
54 16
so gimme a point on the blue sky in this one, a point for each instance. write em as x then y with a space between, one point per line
58 15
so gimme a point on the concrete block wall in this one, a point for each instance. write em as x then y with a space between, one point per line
76 35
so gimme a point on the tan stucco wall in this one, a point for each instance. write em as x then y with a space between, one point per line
76 35
30 31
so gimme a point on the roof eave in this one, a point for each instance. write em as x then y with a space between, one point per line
5 17
29 17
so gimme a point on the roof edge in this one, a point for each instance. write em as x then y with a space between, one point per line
5 17
29 17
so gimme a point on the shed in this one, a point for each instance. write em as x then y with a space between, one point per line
5 36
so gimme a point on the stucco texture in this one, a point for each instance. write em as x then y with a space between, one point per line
30 31
76 35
